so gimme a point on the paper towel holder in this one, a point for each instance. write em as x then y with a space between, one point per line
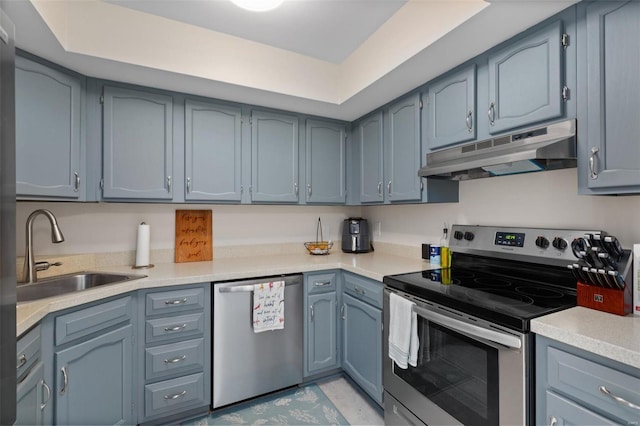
148 266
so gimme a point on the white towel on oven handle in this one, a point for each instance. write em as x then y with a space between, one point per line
403 332
268 306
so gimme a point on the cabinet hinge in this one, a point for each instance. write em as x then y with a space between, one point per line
102 184
102 99
566 93
565 40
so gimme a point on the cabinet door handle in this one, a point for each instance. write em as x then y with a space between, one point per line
359 290
470 121
168 183
295 188
188 185
176 328
311 312
342 312
45 400
175 360
389 188
65 380
553 421
593 162
618 399
22 360
380 188
321 283
309 189
176 301
175 395
77 182
492 113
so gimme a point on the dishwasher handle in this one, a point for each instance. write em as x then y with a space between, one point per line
248 288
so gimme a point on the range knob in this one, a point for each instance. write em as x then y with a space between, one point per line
542 242
559 243
469 236
458 235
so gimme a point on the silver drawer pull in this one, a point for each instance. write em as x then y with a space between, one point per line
45 400
175 395
359 290
322 283
65 380
22 360
617 399
175 360
176 301
176 328
553 421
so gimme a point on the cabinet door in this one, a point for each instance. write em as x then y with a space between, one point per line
403 151
137 144
213 158
32 397
325 162
322 350
451 109
48 137
362 345
94 383
370 140
274 157
525 81
609 143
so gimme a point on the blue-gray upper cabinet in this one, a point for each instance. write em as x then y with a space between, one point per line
274 157
525 80
451 108
370 140
403 151
48 133
213 152
325 162
137 145
609 129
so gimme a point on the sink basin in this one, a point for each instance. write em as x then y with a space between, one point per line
62 284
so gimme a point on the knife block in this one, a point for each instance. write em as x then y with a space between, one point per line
605 299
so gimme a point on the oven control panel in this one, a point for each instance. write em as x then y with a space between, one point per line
541 245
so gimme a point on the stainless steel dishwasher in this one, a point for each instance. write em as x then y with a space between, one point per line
247 364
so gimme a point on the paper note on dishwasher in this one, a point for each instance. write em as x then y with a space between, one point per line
268 306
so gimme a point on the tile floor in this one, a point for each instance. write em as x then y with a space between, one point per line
353 403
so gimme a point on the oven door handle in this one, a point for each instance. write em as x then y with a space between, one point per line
470 329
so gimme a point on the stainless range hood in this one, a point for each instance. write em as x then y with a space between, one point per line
536 149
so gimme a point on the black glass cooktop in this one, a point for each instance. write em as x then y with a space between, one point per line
507 293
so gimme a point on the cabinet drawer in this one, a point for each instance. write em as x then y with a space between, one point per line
584 381
176 358
182 326
174 395
168 302
86 321
320 283
27 351
364 289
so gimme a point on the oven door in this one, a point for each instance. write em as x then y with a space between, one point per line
467 373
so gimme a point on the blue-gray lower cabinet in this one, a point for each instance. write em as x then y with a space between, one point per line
33 391
274 157
326 180
137 140
609 97
574 386
321 322
362 333
213 152
174 352
49 140
526 79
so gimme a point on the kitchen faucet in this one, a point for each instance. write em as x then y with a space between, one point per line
30 266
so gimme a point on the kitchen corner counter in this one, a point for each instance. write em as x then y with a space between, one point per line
372 265
612 336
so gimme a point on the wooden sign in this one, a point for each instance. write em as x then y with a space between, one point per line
194 235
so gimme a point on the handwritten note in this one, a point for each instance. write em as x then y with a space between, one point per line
193 236
268 306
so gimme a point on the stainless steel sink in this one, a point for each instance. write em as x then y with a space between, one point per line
63 284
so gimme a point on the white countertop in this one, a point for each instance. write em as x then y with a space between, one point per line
373 265
612 336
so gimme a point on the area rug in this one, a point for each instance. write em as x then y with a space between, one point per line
307 405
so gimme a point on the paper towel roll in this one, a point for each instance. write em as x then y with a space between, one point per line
142 248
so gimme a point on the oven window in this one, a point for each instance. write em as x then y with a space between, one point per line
457 373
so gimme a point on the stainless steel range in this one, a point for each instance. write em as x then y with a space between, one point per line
474 364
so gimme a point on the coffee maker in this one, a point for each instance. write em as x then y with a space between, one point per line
355 236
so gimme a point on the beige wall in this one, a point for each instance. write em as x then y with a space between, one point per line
546 199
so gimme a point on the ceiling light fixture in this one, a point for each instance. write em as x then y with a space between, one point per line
258 5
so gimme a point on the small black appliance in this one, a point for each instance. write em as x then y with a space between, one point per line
355 236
